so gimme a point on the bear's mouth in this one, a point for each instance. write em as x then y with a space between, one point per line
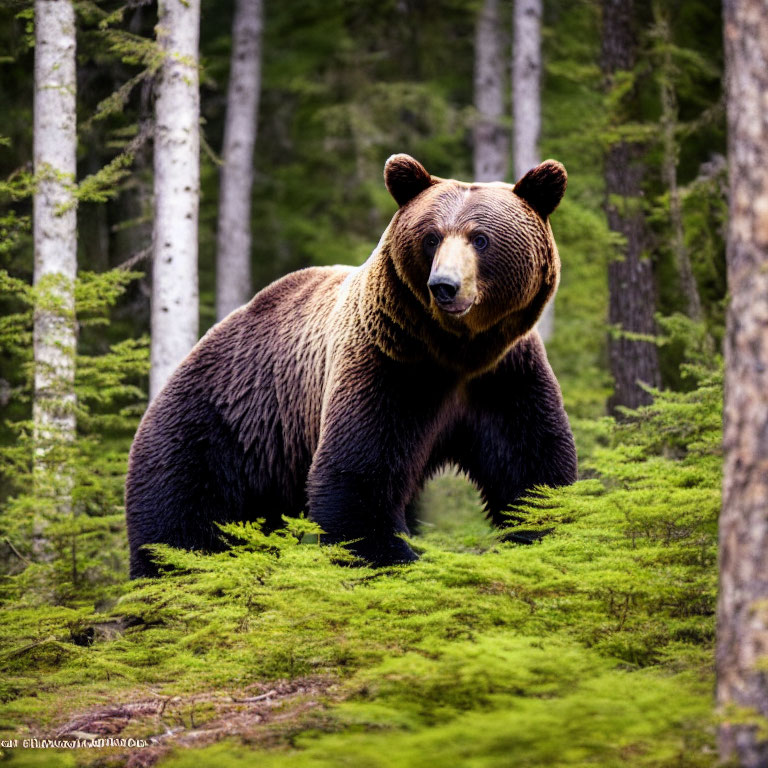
455 308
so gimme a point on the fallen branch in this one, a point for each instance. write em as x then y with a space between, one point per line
251 699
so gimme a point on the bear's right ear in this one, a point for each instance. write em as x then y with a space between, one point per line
405 178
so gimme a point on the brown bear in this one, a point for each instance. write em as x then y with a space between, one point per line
340 390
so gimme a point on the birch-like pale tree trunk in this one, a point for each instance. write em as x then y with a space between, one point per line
55 245
233 244
526 108
177 186
742 617
491 144
526 85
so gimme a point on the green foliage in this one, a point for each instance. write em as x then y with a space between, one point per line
594 645
87 545
102 185
705 211
572 115
345 85
685 69
84 546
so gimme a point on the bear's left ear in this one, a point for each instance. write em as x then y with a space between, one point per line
405 178
543 187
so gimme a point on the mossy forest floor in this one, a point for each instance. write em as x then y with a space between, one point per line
593 647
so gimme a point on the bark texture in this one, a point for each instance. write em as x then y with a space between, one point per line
630 279
491 139
55 235
526 108
743 601
177 182
233 260
526 85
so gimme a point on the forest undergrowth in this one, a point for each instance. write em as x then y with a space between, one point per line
592 647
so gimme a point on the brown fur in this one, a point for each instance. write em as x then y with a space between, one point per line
340 390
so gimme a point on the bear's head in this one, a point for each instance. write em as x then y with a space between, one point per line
477 257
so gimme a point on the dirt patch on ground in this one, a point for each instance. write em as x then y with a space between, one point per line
263 713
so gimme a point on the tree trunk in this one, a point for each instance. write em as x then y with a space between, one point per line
491 142
630 280
526 108
55 244
233 260
669 123
526 85
177 181
742 622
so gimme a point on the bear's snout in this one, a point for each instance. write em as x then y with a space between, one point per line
443 288
453 277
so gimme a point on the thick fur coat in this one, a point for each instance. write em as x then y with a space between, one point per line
339 390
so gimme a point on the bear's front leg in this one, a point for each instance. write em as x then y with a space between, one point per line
378 424
353 505
515 433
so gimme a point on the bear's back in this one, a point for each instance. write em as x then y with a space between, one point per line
248 396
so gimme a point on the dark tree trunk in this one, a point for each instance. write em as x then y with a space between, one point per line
742 622
630 279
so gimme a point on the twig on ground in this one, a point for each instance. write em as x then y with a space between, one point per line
251 699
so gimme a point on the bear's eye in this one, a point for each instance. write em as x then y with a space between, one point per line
480 242
431 241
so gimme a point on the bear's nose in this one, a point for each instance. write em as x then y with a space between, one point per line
444 289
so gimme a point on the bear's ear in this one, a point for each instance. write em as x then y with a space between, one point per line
405 178
543 187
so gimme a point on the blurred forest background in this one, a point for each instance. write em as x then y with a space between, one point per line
594 647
